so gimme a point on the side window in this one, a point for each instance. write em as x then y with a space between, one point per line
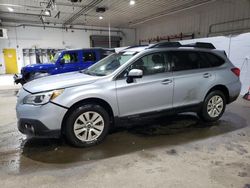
149 64
204 63
184 60
89 56
214 60
70 57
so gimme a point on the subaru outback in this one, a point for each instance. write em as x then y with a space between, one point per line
136 83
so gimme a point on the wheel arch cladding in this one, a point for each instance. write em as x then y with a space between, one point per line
96 101
221 88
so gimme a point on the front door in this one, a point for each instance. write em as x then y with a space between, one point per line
10 61
72 62
151 93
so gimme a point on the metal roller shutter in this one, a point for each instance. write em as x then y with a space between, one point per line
103 41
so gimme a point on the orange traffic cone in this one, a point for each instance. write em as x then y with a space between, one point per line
247 95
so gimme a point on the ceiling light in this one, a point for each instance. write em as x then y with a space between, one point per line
131 2
100 17
47 12
10 9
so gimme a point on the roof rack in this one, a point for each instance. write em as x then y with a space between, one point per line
166 45
135 46
200 45
178 44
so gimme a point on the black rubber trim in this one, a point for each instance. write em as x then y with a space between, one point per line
125 120
59 105
27 90
39 129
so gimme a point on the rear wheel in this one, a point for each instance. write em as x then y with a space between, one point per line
87 125
213 106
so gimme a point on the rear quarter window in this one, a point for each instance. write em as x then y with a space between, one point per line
214 60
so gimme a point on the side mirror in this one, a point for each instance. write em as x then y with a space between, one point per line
134 73
62 61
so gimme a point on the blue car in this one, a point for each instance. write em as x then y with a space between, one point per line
63 61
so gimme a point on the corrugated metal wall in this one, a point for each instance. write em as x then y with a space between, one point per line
220 17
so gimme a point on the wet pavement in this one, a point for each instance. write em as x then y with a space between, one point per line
179 136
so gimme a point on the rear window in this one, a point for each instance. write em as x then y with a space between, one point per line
188 60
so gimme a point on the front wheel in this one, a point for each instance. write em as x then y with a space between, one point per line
213 106
87 125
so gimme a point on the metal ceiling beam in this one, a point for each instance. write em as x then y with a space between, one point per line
62 27
13 20
25 14
83 10
184 7
64 4
23 6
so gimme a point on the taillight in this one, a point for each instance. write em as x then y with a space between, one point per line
236 71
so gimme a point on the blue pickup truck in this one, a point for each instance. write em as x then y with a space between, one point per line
63 61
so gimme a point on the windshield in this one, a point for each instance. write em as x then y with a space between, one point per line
109 64
56 56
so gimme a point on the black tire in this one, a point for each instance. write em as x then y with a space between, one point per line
78 112
204 114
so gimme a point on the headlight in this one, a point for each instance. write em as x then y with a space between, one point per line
41 98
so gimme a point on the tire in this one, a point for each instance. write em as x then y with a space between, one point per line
87 125
213 106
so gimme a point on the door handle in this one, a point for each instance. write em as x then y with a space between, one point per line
207 75
167 81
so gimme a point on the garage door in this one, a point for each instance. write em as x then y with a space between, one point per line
103 41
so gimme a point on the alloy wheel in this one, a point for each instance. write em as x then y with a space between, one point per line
215 106
88 126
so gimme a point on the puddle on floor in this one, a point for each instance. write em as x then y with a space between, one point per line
19 154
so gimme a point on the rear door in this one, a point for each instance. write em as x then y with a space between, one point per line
192 77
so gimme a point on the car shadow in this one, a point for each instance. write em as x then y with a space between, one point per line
161 132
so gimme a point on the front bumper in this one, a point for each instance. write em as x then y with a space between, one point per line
36 128
44 120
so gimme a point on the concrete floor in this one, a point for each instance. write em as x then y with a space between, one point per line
170 152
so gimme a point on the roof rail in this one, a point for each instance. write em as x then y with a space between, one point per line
200 45
166 45
136 46
178 44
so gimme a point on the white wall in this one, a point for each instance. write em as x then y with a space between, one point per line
237 48
197 20
31 37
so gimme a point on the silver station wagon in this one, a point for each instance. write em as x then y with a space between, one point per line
138 82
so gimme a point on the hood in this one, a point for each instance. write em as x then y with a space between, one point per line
59 81
38 66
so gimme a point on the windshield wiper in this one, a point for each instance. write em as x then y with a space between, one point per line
99 74
83 71
91 73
